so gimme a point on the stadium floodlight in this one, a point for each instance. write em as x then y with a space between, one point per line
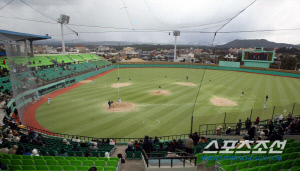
175 33
63 19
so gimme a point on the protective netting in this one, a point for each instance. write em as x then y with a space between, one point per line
22 79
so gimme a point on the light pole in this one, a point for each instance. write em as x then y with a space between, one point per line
64 19
296 64
175 33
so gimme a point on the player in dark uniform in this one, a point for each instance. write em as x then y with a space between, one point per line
267 97
187 78
165 77
118 79
159 88
129 80
242 94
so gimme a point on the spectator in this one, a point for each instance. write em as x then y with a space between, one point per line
99 142
271 127
62 153
248 123
13 150
161 148
93 169
83 144
156 140
280 119
5 149
129 148
239 125
180 144
265 130
274 136
131 142
189 144
202 140
138 148
196 138
75 148
20 151
263 136
39 142
3 166
228 131
147 145
257 121
169 148
65 141
93 147
111 142
276 119
151 140
88 154
251 132
27 152
35 152
219 130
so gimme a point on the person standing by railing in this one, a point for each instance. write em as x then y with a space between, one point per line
189 144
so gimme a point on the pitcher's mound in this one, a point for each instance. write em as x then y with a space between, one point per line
161 92
186 84
126 106
217 101
116 85
85 81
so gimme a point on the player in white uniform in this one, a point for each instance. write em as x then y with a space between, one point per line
242 95
265 106
159 88
120 102
49 99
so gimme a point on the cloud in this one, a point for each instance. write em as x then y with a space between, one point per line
156 15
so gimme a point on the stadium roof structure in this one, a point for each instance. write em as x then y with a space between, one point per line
18 36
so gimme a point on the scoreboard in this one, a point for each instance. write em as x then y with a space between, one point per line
262 56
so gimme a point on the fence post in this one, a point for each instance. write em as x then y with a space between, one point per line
206 128
251 114
293 108
224 118
273 113
215 129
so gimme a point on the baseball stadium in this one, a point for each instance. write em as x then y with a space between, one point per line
72 111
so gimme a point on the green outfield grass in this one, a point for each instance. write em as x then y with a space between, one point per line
81 112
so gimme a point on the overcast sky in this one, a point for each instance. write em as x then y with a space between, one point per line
158 17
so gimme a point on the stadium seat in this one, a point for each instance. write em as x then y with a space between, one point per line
109 168
138 155
293 155
29 167
287 164
242 165
28 157
52 162
15 167
100 163
229 167
48 158
28 162
5 161
81 158
37 157
95 153
263 162
103 158
276 167
129 154
56 167
296 162
16 162
84 168
76 162
71 153
64 162
70 168
59 158
78 153
92 158
265 168
17 157
88 163
40 162
41 167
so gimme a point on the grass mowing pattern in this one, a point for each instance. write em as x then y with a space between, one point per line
80 111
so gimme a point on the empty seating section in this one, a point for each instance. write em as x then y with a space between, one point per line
77 57
288 160
60 58
100 63
59 163
90 57
52 73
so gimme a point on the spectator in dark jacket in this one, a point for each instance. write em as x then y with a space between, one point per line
83 144
75 148
265 130
239 125
196 138
271 127
20 150
228 131
274 136
147 145
248 123
251 132
27 152
129 148
161 148
62 153
156 140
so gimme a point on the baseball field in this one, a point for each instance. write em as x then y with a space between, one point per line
147 111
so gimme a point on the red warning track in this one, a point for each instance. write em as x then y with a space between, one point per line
28 117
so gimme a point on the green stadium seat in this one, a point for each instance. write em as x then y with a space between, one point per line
297 149
290 140
95 153
129 155
64 162
40 162
7 156
84 168
88 163
56 167
76 162
5 161
102 153
296 162
263 162
81 158
242 165
38 157
92 158
17 157
71 158
276 167
288 150
16 162
59 158
295 168
109 168
28 162
221 163
71 153
15 167
79 153
28 157
138 155
48 158
229 167
293 156
70 168
287 164
99 168
100 163
52 162
103 158
29 167
265 168
112 163
41 167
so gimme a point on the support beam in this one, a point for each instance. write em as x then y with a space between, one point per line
31 48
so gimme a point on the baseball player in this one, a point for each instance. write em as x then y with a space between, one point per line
49 99
209 81
165 77
159 88
120 102
267 97
265 106
129 80
187 78
118 79
242 95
